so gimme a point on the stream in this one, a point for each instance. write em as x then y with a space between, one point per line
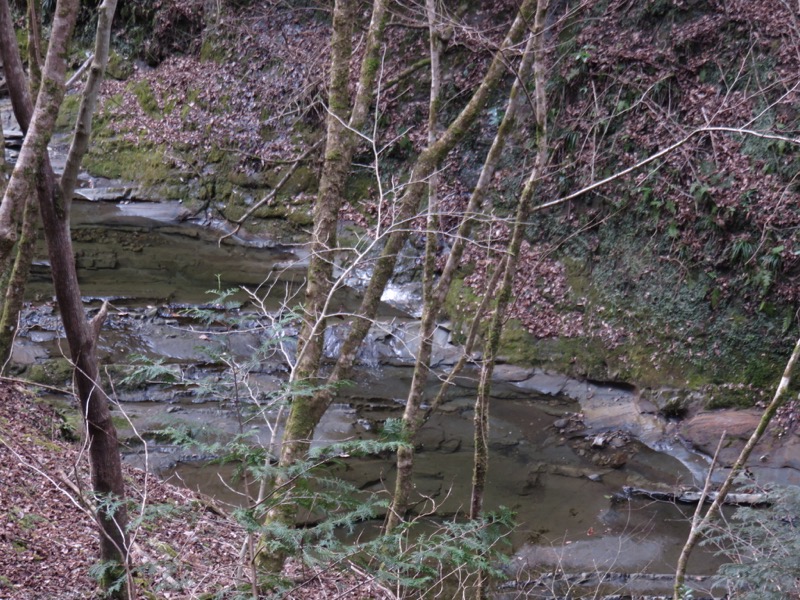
560 449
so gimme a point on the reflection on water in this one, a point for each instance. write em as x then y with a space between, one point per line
567 515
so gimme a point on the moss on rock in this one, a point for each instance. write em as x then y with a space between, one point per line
55 371
142 163
68 113
118 67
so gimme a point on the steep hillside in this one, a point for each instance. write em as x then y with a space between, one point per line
682 272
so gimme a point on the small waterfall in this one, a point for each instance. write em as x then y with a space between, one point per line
334 340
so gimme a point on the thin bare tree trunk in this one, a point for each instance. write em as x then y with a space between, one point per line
82 335
405 454
16 272
15 277
492 345
699 525
335 169
5 168
34 45
13 69
432 305
340 145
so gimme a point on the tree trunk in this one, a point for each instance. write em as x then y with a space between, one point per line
434 300
34 166
18 273
405 454
82 335
315 406
22 184
492 346
15 273
34 45
340 143
339 147
335 169
699 523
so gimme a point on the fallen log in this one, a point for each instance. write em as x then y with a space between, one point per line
693 497
545 586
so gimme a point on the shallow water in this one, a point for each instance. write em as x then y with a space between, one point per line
141 255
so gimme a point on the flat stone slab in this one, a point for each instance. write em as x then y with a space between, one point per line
105 194
542 382
776 457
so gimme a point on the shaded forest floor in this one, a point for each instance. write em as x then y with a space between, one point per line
182 545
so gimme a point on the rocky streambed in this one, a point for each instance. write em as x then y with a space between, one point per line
561 448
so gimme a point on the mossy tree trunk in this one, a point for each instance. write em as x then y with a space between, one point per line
492 344
16 272
407 207
342 123
335 169
345 118
33 173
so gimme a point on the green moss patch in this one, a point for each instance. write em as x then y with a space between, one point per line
145 97
68 113
147 165
56 372
517 346
118 67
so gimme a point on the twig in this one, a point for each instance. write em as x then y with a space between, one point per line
270 196
660 154
27 383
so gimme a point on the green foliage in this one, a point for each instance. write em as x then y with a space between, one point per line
741 250
763 545
416 567
149 515
220 311
110 576
148 370
394 430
